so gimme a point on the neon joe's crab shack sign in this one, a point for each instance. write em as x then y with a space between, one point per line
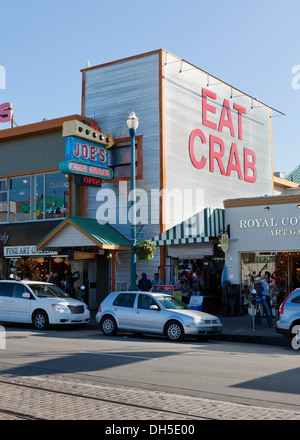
85 158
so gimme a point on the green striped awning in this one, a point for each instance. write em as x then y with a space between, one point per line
294 176
196 229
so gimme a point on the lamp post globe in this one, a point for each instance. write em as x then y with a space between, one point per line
132 121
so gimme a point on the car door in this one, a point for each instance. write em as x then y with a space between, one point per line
147 318
5 298
123 310
20 307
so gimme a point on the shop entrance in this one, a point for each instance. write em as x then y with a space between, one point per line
40 268
102 278
201 277
282 268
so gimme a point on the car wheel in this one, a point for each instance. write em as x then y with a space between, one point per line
174 331
108 325
40 320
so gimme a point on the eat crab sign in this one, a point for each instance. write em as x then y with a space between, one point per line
6 112
244 166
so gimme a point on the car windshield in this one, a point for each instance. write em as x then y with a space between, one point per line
169 302
47 290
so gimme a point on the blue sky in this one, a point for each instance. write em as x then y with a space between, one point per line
251 45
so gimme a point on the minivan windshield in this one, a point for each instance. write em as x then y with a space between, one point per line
169 302
47 290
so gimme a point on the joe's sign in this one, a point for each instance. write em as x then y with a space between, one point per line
85 151
84 169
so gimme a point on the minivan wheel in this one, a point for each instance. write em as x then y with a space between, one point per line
174 331
108 325
40 320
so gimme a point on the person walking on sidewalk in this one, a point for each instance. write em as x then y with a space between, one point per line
265 294
144 283
156 282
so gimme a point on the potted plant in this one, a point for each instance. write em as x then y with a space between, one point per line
144 250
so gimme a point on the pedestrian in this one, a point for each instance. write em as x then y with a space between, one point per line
77 290
231 294
53 278
156 282
69 282
62 284
144 283
70 278
265 295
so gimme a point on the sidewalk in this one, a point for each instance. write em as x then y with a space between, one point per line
238 329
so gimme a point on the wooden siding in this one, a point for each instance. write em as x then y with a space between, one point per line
183 114
67 237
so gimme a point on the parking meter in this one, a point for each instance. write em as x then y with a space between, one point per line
253 297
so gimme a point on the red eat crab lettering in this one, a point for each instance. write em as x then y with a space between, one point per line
246 170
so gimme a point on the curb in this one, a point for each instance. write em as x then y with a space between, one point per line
249 339
284 342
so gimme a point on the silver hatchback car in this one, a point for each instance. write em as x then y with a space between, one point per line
289 315
154 313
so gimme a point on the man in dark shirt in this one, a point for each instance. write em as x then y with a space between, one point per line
53 278
144 283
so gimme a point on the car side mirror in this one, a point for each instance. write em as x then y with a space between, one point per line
26 295
154 307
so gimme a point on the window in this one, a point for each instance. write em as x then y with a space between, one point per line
125 300
145 301
19 290
3 201
36 197
56 195
169 302
19 199
119 159
6 289
46 291
296 300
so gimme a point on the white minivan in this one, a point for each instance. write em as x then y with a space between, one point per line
40 304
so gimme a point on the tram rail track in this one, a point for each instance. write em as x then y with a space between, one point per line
13 415
63 397
114 403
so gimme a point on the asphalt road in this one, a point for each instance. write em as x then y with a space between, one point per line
143 377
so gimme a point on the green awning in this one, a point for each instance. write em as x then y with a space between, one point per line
197 229
102 235
294 176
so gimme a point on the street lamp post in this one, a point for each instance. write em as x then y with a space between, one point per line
132 123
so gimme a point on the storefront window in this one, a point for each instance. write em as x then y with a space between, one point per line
3 201
38 197
19 199
2 269
37 268
56 195
282 269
